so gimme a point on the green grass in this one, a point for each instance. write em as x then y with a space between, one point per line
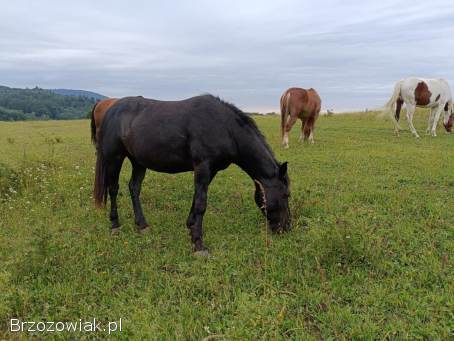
369 257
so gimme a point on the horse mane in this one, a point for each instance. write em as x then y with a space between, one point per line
245 120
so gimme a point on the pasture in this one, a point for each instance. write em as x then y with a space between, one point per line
370 255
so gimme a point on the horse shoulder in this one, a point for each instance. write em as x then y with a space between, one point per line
440 90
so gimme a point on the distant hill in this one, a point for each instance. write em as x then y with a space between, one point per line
82 93
38 104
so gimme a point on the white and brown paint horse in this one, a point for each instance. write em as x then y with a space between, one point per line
434 94
303 104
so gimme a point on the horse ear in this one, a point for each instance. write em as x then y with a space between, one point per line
283 170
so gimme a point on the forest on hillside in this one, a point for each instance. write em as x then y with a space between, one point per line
41 104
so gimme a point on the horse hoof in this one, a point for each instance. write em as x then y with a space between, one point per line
143 230
115 231
202 253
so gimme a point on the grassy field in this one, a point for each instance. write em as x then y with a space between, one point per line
370 255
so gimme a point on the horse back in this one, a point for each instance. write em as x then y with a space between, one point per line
170 136
425 92
303 102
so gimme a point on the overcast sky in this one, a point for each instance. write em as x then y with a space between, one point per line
247 52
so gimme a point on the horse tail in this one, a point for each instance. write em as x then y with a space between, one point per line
100 186
93 124
285 99
389 106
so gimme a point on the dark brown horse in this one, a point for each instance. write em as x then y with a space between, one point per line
201 134
97 115
303 104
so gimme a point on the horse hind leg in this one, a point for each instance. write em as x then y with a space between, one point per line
113 168
135 185
309 130
288 127
410 111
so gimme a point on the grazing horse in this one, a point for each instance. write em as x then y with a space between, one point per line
97 115
303 104
201 134
434 94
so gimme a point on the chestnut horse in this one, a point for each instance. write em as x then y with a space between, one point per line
97 115
202 134
434 94
303 104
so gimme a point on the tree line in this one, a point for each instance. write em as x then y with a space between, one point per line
41 104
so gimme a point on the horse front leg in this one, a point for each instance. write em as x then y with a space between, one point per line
433 132
202 178
429 122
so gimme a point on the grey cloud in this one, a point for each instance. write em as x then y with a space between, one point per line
246 52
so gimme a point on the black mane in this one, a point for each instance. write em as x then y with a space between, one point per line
245 120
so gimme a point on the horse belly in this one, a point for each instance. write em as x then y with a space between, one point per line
167 156
169 164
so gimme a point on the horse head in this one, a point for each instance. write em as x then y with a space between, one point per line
449 119
271 196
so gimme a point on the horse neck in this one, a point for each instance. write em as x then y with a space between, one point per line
255 158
